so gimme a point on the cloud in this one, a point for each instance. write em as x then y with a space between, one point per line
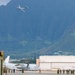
4 2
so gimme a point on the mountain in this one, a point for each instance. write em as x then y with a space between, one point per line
46 27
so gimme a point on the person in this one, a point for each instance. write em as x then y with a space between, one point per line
22 70
63 71
73 71
58 71
13 70
39 70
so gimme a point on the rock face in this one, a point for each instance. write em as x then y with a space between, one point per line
46 27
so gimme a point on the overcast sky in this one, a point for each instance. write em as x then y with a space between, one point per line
4 2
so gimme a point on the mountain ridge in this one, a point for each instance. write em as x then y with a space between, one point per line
45 25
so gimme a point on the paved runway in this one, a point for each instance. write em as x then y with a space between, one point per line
36 73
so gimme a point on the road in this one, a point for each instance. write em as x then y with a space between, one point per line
36 73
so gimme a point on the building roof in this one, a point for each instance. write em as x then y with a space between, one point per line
57 58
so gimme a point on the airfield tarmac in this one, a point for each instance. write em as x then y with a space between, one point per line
36 73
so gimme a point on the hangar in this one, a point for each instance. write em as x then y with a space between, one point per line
56 62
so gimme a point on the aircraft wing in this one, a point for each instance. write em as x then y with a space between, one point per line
22 10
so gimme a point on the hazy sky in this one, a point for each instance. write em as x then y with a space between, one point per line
4 2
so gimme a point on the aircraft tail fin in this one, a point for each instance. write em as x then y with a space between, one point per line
7 59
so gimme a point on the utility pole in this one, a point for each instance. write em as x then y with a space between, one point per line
34 57
1 62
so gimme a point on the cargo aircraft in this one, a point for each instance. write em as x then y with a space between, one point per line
9 65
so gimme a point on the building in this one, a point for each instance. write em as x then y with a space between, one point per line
56 62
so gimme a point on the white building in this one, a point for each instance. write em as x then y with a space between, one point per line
56 62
